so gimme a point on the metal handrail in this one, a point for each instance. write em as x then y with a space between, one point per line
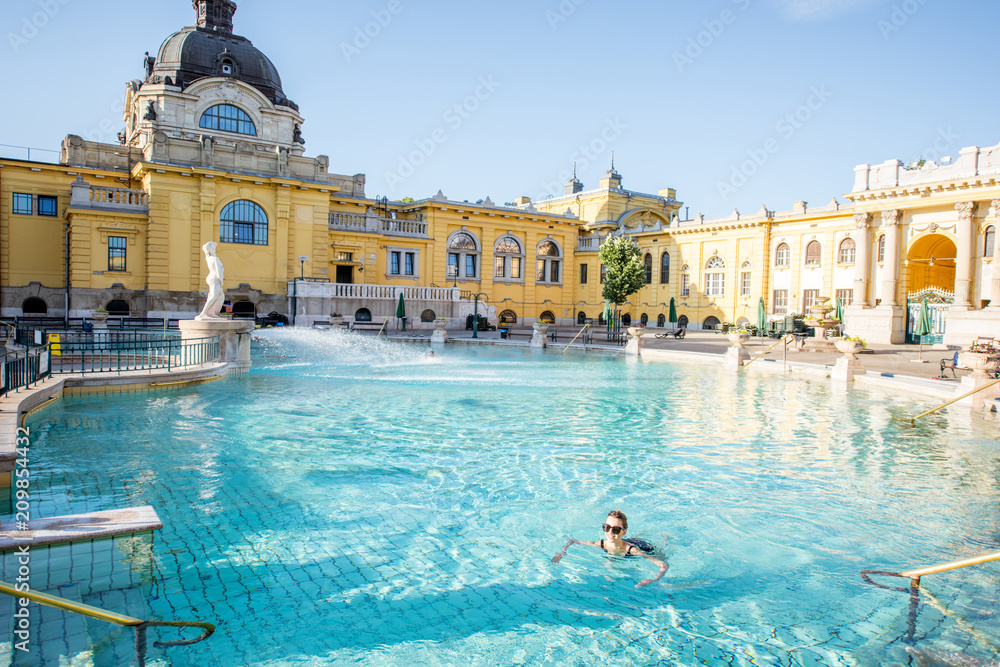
118 619
575 337
784 339
383 328
954 400
914 588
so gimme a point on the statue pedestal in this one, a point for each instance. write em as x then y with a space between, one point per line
538 337
736 357
978 400
234 339
633 347
845 369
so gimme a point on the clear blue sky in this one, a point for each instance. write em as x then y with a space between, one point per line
869 80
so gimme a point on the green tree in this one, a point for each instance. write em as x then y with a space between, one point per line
406 200
625 274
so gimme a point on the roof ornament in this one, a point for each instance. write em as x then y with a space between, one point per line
216 15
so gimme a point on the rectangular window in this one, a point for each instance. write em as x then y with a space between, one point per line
583 274
23 204
745 283
470 266
408 264
714 284
780 302
809 297
452 265
685 285
243 232
116 253
345 256
554 271
540 271
499 267
846 253
48 206
394 263
515 267
604 273
846 297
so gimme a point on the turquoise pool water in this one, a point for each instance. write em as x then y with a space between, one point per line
358 502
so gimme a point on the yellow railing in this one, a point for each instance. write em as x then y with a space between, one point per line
575 337
914 590
138 624
382 329
954 400
784 339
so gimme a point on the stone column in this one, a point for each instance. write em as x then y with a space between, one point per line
966 251
995 283
863 262
890 221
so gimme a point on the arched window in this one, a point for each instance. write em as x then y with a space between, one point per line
710 322
682 322
508 257
845 255
989 241
427 316
244 310
881 249
814 253
227 118
34 306
581 317
644 318
508 317
626 319
243 221
661 320
363 315
547 316
715 277
463 256
647 263
118 308
665 268
548 265
783 256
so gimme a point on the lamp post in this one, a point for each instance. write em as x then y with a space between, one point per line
453 274
475 314
302 265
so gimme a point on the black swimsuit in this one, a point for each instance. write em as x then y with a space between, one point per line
628 549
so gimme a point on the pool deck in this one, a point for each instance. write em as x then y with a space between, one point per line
893 367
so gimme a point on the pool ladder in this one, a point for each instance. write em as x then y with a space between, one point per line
139 625
914 590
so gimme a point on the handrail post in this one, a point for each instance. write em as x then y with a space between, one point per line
574 338
913 422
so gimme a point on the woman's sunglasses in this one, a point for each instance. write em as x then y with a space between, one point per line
614 529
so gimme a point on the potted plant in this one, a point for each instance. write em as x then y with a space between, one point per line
100 315
336 319
849 346
982 363
738 335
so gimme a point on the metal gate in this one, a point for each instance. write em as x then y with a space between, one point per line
938 301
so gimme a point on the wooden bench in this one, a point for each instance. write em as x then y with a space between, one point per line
367 326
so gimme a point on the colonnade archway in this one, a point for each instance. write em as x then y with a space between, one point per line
930 263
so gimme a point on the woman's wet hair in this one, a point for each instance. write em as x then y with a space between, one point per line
618 514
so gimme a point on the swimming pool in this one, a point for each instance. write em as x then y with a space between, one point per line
356 501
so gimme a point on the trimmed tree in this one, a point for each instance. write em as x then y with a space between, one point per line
624 272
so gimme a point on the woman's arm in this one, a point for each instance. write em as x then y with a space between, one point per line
663 570
558 556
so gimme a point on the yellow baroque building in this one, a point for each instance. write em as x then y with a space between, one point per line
212 150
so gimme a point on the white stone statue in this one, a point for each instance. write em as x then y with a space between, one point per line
216 297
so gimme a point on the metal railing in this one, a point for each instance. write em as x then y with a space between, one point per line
22 369
784 340
138 624
585 327
913 421
120 351
914 588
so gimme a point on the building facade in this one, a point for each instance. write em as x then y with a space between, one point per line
213 149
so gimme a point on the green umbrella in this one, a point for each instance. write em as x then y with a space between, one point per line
673 311
761 318
839 311
607 311
923 327
401 311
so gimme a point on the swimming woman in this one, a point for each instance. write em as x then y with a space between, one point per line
615 527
